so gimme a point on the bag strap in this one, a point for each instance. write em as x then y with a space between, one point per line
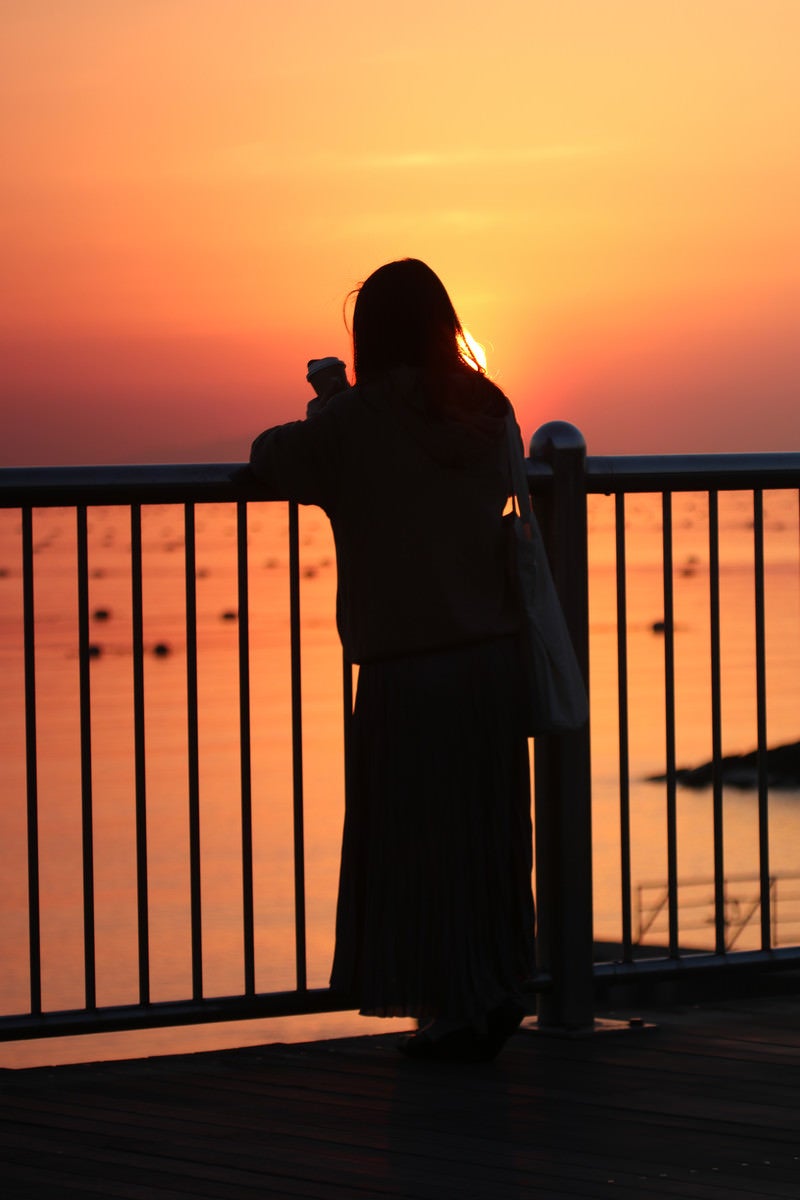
519 480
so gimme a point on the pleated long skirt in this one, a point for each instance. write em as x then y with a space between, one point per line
435 913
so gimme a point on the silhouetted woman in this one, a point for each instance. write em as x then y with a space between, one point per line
435 913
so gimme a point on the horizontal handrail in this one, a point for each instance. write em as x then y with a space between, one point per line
163 483
52 487
691 472
697 963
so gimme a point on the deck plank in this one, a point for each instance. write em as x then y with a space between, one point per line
706 1107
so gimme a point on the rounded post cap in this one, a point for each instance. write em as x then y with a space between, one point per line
554 437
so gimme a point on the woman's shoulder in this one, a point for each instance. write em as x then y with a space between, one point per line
488 395
473 397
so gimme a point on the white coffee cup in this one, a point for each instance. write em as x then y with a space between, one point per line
322 372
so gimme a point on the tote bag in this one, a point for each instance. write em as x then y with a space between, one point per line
556 694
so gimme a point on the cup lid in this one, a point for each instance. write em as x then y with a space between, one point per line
319 364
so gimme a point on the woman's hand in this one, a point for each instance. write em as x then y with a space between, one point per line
328 388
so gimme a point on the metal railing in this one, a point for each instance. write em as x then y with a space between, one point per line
82 489
561 478
567 924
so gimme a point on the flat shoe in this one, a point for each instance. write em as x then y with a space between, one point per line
502 1021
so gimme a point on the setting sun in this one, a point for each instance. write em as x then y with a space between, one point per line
475 352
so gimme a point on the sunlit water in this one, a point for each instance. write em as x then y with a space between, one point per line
59 771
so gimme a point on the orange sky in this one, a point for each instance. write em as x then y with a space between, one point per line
609 189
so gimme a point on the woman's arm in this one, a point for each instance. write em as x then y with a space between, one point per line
300 460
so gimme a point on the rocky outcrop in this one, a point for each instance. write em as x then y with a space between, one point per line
741 770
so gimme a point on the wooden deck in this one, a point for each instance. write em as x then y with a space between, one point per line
706 1105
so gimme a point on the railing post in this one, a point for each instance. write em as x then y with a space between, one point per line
562 767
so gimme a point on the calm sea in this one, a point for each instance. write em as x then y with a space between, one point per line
59 777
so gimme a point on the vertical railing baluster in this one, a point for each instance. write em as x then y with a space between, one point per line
140 778
624 749
669 711
32 784
245 761
85 703
716 723
297 749
761 716
193 749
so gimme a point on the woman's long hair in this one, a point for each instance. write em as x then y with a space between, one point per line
403 316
